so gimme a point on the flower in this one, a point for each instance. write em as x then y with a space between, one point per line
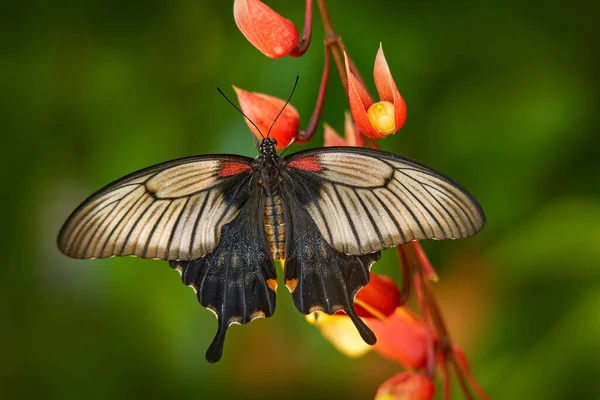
351 136
377 299
341 332
262 110
406 386
401 337
376 120
272 34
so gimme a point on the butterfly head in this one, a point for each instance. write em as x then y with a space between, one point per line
266 147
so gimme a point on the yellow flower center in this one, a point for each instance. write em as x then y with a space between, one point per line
382 117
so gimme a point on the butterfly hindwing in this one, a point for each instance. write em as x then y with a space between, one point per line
364 200
319 277
237 281
171 211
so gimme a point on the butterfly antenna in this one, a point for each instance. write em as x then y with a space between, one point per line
241 112
286 103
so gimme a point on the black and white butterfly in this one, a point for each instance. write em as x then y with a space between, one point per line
222 221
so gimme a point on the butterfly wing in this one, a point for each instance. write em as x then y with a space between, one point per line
237 281
320 277
171 211
365 200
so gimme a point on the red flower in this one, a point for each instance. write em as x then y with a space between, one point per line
378 299
376 120
406 386
262 109
401 337
272 34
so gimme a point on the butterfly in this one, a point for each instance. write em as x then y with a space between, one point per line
222 221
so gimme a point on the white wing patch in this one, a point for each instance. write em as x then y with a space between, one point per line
173 211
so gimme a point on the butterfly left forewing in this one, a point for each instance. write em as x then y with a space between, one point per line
365 200
171 211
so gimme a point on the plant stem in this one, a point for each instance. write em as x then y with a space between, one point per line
304 43
307 134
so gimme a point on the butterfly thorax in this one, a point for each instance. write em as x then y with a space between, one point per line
268 164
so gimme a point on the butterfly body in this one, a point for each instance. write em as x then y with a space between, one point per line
274 226
222 221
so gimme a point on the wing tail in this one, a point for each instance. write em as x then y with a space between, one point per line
321 278
237 281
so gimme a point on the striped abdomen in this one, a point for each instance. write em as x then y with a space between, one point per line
275 226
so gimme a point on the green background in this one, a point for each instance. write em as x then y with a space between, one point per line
502 96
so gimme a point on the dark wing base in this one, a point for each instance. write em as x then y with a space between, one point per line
321 278
237 281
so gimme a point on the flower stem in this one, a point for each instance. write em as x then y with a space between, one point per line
304 43
307 134
405 293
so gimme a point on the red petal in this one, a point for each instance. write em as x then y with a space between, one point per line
331 137
402 337
406 386
272 34
386 88
351 132
360 101
378 299
262 109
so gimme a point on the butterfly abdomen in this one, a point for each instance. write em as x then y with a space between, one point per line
275 226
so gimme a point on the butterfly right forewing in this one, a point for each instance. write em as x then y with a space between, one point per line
366 200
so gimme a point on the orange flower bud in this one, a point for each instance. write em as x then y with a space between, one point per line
406 386
272 34
381 116
262 109
376 120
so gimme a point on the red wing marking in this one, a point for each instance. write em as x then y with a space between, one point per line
229 168
309 163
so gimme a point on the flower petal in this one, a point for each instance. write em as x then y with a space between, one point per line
351 132
402 337
272 34
386 88
341 332
262 109
378 299
406 386
360 101
331 137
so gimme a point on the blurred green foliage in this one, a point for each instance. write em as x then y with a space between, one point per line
501 95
